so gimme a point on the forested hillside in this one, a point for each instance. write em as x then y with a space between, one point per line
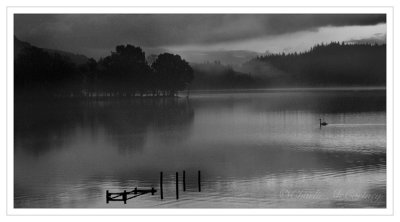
334 64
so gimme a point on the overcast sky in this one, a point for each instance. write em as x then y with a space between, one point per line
96 35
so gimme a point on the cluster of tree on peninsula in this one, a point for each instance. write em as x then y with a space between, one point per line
124 73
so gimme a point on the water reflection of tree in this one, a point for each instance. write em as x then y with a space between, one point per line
41 126
128 123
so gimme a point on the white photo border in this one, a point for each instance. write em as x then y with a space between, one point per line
389 11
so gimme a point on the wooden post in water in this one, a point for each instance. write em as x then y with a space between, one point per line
161 185
135 190
199 180
107 196
184 181
177 187
125 196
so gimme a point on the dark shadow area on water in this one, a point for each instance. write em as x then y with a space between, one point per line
42 125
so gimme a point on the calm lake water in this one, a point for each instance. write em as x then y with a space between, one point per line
255 149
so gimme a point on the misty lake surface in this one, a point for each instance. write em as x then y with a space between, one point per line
255 149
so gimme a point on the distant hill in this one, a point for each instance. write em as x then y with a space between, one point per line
215 75
233 58
226 57
75 58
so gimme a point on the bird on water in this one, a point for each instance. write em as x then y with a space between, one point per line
322 123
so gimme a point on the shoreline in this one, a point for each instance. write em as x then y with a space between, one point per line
289 89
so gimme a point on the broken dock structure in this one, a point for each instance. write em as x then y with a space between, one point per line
127 195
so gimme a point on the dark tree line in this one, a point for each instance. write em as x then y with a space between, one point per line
38 72
336 63
124 73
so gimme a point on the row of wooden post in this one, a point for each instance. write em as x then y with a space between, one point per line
177 183
137 191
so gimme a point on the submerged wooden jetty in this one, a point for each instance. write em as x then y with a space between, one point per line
125 196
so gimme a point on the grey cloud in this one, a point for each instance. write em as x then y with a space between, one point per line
378 38
82 32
